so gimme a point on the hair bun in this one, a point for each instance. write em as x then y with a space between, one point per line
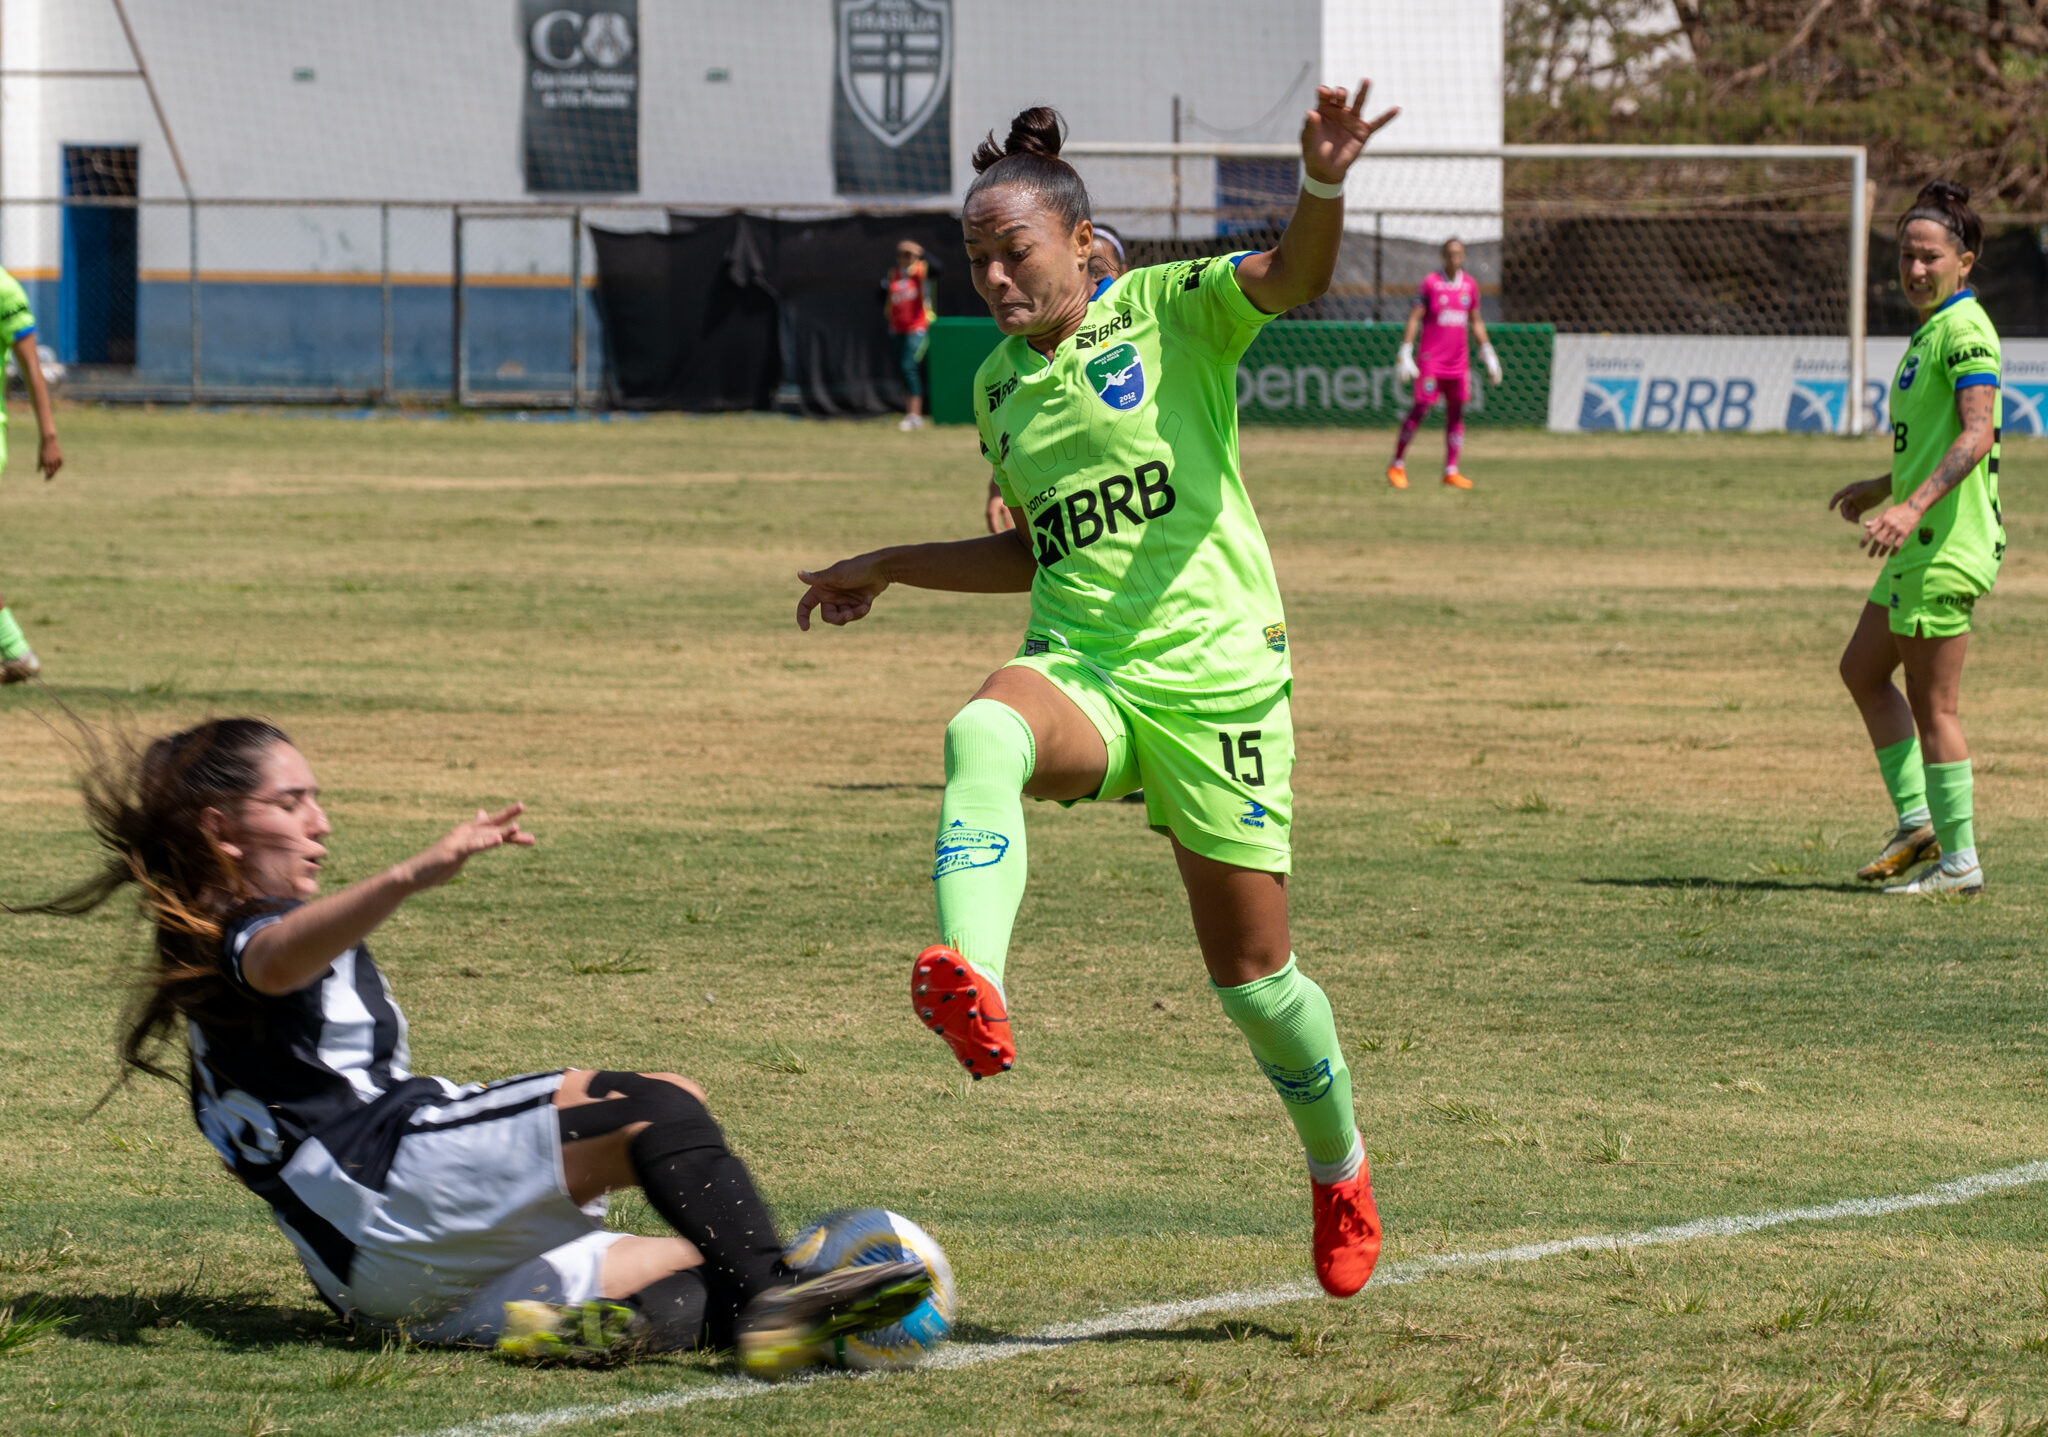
1037 131
1944 193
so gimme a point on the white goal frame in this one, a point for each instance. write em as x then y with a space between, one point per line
1855 156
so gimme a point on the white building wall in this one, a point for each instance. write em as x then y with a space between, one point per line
1441 62
420 100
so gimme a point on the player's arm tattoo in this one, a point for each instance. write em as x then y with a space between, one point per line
1973 408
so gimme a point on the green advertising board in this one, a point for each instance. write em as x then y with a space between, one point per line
1309 372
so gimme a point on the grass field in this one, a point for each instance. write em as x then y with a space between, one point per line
1578 801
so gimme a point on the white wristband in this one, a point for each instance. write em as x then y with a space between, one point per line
1320 190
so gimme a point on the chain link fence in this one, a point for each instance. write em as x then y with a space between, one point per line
385 302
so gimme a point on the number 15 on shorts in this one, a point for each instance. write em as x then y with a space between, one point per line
1241 757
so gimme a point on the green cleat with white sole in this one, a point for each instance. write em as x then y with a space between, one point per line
787 1329
587 1334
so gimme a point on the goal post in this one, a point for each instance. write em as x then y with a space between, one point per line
1714 242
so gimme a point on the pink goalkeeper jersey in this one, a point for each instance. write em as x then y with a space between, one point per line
1447 306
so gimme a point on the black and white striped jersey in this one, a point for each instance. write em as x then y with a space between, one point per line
329 1058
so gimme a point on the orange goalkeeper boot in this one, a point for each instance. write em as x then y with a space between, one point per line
955 1001
1454 480
1397 474
1347 1232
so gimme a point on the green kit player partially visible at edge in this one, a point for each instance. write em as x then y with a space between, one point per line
1942 537
18 662
1156 653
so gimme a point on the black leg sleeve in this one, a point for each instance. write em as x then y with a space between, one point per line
674 1307
704 1192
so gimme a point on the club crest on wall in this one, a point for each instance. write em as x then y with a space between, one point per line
895 61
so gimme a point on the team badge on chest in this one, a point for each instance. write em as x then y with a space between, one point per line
1118 376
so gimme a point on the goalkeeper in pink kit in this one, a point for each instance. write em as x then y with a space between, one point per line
1446 310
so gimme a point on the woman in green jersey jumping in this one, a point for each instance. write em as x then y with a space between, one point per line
1156 656
1941 536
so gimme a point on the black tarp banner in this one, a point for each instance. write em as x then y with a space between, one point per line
689 321
582 107
892 97
721 311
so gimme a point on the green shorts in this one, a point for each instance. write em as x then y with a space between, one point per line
1218 782
1933 601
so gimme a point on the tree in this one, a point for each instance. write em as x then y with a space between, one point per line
1937 89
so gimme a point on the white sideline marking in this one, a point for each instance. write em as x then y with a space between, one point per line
1393 1274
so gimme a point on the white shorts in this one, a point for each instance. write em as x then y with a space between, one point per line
472 1211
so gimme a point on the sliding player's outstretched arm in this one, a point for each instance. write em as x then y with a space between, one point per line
1298 269
299 947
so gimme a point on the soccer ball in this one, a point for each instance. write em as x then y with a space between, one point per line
857 1237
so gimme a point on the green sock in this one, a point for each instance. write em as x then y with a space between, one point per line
1951 794
979 869
1904 778
13 644
1287 1021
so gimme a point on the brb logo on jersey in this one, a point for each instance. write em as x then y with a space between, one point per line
1063 525
1118 376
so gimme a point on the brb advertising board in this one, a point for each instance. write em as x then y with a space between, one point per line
1684 384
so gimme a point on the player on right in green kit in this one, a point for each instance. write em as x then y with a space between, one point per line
1942 537
18 662
1156 655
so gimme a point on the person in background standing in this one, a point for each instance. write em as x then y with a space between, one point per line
1938 526
1446 311
907 305
18 662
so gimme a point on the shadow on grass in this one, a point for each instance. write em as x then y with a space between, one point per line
233 1319
1735 885
884 787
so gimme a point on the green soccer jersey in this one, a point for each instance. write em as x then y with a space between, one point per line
1955 349
15 320
1122 452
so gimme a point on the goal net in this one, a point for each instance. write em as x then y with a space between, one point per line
1705 257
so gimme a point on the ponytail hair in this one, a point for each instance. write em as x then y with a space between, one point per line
145 809
1948 205
1029 158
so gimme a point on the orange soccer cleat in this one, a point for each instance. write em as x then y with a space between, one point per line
1454 480
1397 474
962 1006
1347 1233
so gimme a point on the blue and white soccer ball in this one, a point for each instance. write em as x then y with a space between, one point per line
858 1237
